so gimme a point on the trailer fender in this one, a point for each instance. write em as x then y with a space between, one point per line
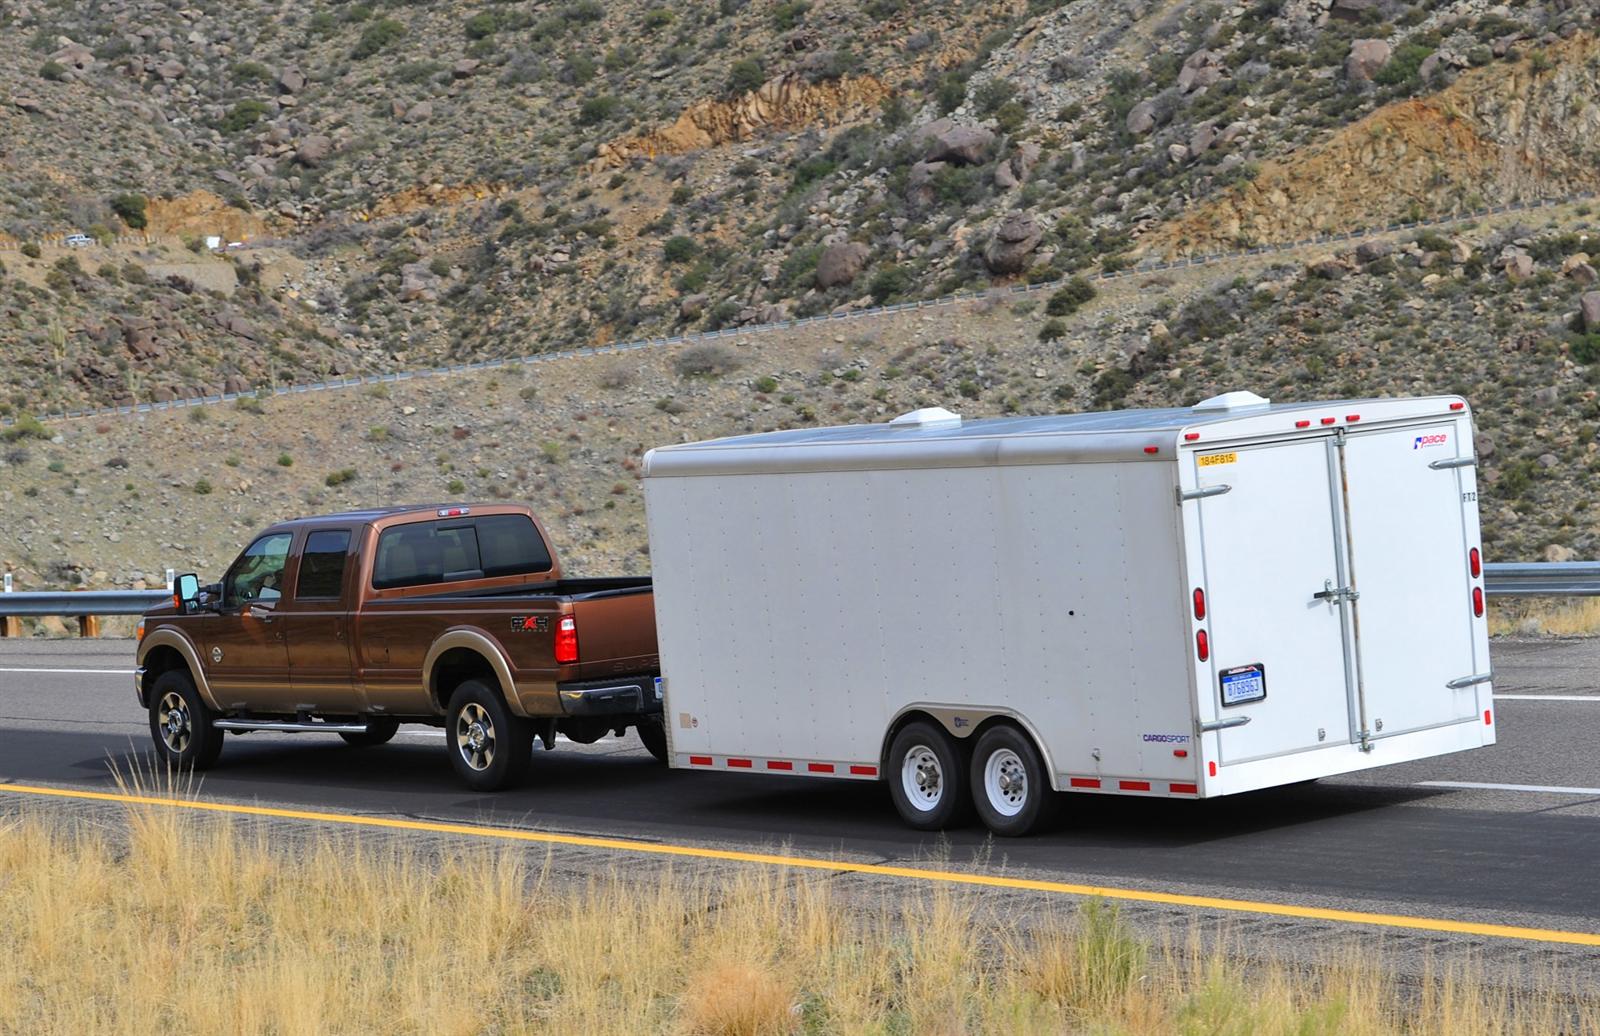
486 650
964 721
158 648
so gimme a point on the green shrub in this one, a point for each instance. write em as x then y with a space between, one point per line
705 361
992 95
251 72
54 71
679 249
285 461
481 25
340 477
766 384
787 15
376 37
746 75
1586 350
888 282
243 115
1052 331
31 249
130 208
26 426
202 488
597 110
657 18
455 487
1070 297
1403 66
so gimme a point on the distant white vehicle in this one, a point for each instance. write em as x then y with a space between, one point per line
1173 603
79 241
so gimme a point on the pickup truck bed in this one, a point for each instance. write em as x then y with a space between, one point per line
353 623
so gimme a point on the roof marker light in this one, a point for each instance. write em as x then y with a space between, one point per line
1190 436
1352 418
1152 449
1458 406
454 512
1302 424
1329 420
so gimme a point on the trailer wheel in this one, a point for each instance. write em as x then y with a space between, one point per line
653 733
1009 784
180 723
927 777
380 731
489 747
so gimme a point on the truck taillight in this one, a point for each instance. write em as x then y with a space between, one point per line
1475 562
1202 646
1199 603
1477 601
567 641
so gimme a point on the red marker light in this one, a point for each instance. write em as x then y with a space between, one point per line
1487 720
1190 436
1202 646
1352 418
1211 768
567 641
1302 424
1329 420
1475 562
1181 753
1477 601
1458 406
1199 603
1152 449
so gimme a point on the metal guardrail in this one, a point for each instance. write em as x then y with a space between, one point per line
1542 579
82 602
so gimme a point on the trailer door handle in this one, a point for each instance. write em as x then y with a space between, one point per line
1454 462
1224 724
1202 493
1469 681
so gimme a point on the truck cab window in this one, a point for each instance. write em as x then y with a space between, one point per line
258 574
511 546
424 553
322 565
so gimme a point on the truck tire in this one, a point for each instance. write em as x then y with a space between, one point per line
927 776
380 731
654 735
180 723
1009 784
489 747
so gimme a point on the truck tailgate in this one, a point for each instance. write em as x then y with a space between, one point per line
617 631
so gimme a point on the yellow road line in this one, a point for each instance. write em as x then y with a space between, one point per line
1246 906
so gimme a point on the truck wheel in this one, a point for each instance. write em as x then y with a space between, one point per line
654 735
1009 784
180 723
489 747
380 731
927 777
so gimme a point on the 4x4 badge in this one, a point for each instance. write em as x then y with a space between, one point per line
216 654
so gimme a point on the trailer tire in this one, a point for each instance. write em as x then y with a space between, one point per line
653 732
380 731
180 723
927 776
1010 786
490 747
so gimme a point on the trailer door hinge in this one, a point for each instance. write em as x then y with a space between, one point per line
1201 493
1334 594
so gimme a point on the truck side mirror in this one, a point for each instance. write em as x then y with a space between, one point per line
187 588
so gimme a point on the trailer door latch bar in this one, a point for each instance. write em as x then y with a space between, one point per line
1469 681
1454 462
1224 724
1201 493
1334 594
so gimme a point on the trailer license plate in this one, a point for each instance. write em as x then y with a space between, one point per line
658 688
1244 684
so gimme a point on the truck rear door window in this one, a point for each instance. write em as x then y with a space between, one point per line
424 553
322 565
511 545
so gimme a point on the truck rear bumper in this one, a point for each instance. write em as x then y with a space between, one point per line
630 695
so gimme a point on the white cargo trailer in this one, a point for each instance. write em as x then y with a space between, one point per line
1184 603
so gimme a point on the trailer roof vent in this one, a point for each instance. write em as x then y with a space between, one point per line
1231 401
927 417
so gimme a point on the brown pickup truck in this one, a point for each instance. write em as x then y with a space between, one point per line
454 616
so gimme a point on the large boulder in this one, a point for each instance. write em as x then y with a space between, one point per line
1203 68
418 283
291 80
1018 235
964 145
313 151
1589 309
74 56
1365 59
1141 118
841 263
1016 168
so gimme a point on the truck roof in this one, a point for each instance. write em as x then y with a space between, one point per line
935 437
374 514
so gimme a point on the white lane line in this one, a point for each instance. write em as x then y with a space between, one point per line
98 672
1547 789
1595 698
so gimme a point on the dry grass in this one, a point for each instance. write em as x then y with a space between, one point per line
1545 616
197 925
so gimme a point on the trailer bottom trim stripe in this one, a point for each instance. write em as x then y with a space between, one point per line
975 880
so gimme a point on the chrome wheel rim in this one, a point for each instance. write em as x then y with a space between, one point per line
1005 781
172 719
475 736
922 778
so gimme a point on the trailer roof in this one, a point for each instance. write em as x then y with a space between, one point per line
1101 435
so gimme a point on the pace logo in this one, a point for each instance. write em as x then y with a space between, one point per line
1422 442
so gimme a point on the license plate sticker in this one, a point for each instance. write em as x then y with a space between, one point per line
658 688
1244 684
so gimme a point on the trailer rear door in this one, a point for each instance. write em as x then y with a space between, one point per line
1277 655
1408 552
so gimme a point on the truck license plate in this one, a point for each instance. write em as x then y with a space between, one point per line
1243 684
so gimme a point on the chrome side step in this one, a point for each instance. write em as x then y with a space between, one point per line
290 727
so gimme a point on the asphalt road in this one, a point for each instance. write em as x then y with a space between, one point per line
1523 851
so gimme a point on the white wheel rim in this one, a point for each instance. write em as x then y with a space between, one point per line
922 778
475 736
1005 781
172 718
